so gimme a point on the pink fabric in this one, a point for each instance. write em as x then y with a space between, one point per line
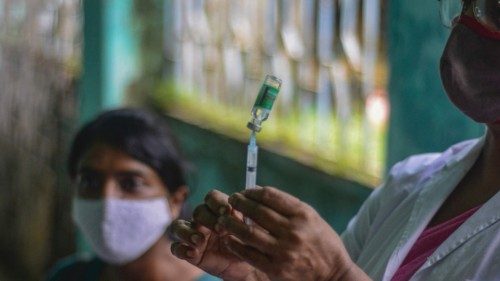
427 243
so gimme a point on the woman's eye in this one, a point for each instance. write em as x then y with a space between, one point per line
131 184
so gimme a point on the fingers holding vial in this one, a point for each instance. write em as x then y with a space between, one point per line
202 243
288 240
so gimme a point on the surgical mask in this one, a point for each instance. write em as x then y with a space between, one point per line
469 72
121 230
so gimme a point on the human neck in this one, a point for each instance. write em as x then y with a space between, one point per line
489 161
492 147
158 263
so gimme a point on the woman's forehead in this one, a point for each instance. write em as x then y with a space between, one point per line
107 158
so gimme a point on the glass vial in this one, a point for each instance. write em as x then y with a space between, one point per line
264 102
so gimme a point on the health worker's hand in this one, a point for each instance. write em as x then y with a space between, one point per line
201 245
291 240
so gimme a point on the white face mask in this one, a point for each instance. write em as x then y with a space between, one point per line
121 230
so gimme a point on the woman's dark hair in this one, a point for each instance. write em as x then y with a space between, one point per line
141 134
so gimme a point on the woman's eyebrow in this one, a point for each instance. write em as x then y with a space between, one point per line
136 173
125 172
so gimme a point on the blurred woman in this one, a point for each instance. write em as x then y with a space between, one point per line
130 185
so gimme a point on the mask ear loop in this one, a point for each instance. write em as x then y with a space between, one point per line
477 27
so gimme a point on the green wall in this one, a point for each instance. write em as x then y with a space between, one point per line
422 117
110 55
219 163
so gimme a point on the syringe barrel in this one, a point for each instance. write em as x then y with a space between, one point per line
251 172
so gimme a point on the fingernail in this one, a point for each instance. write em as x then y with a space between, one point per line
196 239
222 210
250 190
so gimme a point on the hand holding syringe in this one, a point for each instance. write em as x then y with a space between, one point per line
260 112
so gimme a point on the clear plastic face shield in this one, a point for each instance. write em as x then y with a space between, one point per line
485 12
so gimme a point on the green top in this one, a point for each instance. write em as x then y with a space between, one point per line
88 268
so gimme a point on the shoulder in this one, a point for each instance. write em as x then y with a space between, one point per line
405 175
398 192
407 178
72 268
412 167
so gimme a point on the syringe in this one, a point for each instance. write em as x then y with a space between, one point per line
252 152
260 112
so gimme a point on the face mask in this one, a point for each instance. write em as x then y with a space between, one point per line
121 230
469 72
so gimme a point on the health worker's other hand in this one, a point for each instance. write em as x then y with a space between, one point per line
291 241
202 245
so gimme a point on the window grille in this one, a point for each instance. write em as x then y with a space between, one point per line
332 109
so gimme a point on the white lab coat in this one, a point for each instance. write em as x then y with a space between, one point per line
380 236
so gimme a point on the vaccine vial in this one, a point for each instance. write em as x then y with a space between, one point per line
264 102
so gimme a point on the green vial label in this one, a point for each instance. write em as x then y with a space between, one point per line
267 96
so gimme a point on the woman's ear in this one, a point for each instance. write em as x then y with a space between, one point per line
180 195
177 200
